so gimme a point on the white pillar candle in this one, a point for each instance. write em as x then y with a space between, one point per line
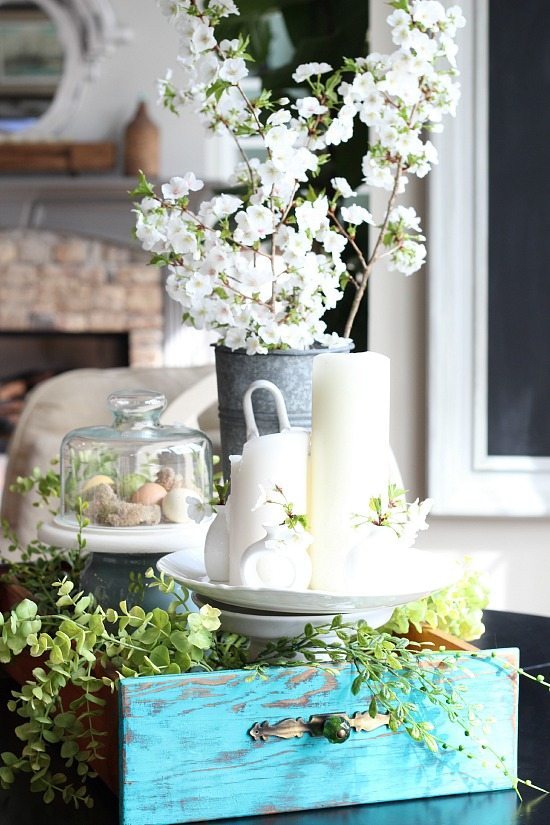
349 454
279 459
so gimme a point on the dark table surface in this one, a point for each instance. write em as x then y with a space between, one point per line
530 633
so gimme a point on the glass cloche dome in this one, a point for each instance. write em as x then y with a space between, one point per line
136 472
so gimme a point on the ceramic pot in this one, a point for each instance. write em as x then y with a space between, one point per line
216 547
290 370
142 145
272 563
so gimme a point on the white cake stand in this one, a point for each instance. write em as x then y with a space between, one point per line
117 557
156 540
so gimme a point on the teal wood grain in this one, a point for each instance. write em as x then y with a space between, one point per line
186 754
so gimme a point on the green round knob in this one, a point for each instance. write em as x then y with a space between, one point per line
336 729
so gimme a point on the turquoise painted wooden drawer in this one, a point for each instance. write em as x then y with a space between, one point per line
187 753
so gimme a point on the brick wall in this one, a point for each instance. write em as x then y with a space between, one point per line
56 281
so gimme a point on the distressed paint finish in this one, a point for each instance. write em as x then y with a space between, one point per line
186 752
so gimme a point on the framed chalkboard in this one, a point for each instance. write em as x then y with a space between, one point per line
489 360
519 228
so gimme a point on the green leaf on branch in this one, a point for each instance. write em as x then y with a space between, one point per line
143 188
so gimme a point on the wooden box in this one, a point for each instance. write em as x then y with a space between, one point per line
187 753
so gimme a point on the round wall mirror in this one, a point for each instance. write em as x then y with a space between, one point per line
48 50
31 65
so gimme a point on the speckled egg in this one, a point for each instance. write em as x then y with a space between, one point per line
95 480
149 493
174 504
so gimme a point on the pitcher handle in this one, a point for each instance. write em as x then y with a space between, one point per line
251 426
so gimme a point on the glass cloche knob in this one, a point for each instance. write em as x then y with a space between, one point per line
136 402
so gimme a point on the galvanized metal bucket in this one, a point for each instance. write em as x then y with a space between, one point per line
290 370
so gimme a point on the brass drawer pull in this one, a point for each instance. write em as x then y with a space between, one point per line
335 727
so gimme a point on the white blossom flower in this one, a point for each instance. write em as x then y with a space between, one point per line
279 117
296 537
407 258
169 8
311 215
254 346
415 521
343 188
307 70
148 204
377 173
205 69
180 187
429 13
309 106
202 37
403 85
152 240
182 241
244 232
450 49
234 338
334 243
270 173
197 510
270 333
229 46
356 215
399 17
424 45
225 205
339 131
455 20
224 7
198 286
407 216
300 162
261 220
233 69
280 138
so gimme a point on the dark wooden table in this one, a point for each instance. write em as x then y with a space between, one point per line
530 633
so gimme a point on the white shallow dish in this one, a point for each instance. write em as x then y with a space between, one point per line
419 573
272 626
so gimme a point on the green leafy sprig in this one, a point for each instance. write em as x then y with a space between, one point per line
38 565
390 670
457 609
290 518
129 642
46 485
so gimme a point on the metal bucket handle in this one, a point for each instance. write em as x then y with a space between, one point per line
251 426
